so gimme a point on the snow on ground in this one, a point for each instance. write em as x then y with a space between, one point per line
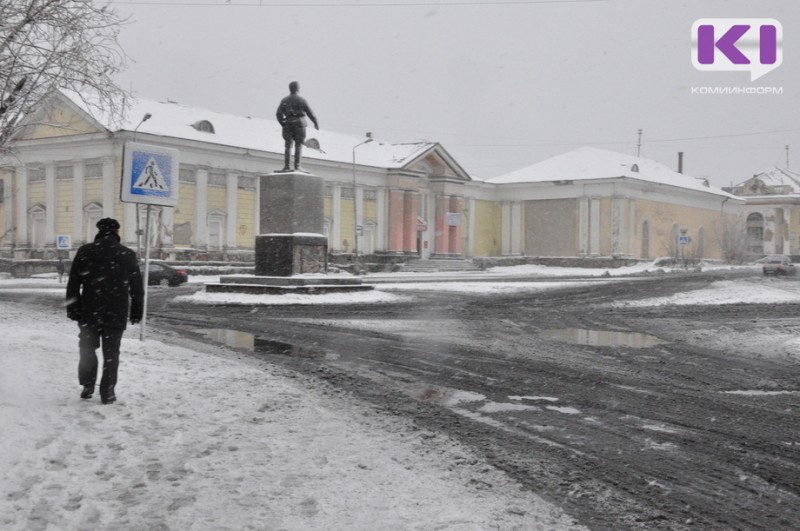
205 438
752 291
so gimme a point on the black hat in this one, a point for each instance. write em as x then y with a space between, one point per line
107 224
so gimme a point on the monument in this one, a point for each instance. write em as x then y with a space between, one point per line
291 253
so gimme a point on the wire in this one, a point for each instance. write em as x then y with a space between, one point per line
350 4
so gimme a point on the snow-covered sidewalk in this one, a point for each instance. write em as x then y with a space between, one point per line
206 438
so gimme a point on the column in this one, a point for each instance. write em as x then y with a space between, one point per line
456 231
167 215
50 206
201 210
8 211
358 197
583 226
396 212
231 192
257 207
78 232
410 209
516 225
471 205
617 224
110 187
632 228
441 235
594 226
129 237
381 219
505 228
22 206
335 242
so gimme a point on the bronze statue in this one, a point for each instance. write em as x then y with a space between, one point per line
292 114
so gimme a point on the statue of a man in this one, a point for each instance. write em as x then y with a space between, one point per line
292 114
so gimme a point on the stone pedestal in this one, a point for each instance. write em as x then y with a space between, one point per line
284 255
291 213
291 243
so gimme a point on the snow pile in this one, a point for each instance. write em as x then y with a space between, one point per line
205 438
761 291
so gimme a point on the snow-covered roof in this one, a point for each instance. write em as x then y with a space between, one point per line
174 120
778 178
588 163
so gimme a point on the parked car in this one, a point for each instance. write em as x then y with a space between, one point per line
164 275
778 265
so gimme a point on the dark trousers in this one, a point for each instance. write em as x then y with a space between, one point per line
90 338
293 132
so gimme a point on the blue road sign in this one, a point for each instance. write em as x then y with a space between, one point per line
150 175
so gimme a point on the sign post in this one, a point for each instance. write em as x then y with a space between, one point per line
150 177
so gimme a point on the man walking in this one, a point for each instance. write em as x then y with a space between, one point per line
103 276
291 114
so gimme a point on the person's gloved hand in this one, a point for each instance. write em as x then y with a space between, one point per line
74 312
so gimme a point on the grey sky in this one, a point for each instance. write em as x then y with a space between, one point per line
501 85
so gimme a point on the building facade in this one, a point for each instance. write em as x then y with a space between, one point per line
405 200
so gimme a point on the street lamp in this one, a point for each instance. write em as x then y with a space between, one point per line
355 203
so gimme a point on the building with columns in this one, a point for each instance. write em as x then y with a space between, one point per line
771 213
391 199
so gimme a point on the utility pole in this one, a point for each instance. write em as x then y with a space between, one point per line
639 144
787 157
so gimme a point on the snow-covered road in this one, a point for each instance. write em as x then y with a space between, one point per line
206 438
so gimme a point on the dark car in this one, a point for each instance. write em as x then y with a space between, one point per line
164 275
778 265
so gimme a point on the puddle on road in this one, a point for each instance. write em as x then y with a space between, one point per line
253 343
600 338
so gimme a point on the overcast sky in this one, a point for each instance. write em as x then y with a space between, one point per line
500 84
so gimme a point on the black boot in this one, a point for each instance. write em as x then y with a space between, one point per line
88 391
109 398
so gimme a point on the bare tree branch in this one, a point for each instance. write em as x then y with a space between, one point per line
47 45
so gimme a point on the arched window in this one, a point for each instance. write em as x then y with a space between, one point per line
645 239
204 126
92 213
635 168
312 143
36 226
755 233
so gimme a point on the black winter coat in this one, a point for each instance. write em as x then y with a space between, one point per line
103 275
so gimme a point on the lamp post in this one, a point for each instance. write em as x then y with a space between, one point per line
355 203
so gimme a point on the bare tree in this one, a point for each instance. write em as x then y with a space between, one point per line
733 240
57 44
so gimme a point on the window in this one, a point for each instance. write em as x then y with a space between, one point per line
36 174
370 195
347 193
92 213
36 222
204 126
216 179
216 229
93 171
312 143
755 233
635 168
64 173
186 175
246 183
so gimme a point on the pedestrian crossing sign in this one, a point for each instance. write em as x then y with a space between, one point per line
150 175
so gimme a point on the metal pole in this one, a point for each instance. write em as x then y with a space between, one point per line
355 211
146 274
639 144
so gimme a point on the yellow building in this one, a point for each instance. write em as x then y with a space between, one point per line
385 200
